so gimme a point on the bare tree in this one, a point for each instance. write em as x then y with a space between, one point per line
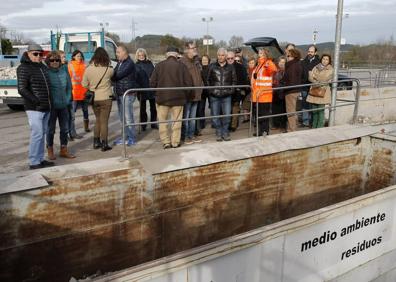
221 44
235 41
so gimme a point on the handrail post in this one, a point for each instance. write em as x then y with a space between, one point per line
123 124
257 118
357 99
250 116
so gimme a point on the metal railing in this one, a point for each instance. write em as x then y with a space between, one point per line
332 108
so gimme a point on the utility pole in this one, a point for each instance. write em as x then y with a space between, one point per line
133 26
1 36
336 65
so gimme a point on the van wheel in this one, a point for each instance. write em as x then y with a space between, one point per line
16 107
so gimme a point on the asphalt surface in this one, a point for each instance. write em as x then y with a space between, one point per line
14 141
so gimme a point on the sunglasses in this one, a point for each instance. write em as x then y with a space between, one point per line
238 61
230 58
36 54
54 60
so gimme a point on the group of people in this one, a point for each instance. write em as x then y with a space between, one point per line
55 90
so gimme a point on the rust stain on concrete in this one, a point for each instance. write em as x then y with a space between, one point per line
114 220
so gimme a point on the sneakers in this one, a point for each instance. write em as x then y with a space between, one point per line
196 139
219 139
43 164
131 142
189 141
119 141
167 146
226 138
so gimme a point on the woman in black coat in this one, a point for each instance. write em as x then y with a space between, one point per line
145 65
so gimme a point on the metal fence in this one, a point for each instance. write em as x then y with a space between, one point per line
331 108
380 77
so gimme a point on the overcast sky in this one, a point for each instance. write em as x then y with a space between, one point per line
287 20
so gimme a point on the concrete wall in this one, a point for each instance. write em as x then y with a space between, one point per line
109 220
377 105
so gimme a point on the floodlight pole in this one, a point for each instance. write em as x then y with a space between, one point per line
336 60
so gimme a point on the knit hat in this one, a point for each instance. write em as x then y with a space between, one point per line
34 47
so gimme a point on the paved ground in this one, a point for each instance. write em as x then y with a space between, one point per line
14 132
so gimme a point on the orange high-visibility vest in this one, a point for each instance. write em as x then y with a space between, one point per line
76 71
261 81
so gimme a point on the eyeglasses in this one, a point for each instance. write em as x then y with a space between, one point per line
230 58
36 54
54 60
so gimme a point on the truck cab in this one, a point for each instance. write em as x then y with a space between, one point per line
86 42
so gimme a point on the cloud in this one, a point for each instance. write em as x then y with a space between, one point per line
284 19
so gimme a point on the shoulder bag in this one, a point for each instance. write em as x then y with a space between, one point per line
90 95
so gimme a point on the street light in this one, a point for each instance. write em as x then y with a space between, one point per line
314 36
207 20
104 26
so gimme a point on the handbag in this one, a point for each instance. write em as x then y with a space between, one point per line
317 91
90 95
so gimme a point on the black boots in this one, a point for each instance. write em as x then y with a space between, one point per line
97 144
102 144
105 146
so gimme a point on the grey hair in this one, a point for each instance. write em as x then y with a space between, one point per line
221 50
141 50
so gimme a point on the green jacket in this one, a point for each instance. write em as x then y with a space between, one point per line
60 87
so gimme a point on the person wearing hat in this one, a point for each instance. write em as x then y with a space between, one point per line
238 52
34 87
171 73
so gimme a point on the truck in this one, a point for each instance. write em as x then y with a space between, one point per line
87 42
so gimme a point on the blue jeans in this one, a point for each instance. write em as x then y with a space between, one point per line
38 122
62 115
76 104
306 116
221 124
189 111
130 133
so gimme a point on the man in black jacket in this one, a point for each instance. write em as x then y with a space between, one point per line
33 86
309 62
124 78
221 74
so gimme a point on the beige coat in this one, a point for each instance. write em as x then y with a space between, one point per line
316 76
91 78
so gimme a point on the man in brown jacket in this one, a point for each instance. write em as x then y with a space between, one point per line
190 108
171 73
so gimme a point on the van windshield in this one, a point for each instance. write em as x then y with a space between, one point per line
70 47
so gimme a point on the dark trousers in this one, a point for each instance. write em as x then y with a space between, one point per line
102 111
62 115
201 113
143 111
264 109
279 107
